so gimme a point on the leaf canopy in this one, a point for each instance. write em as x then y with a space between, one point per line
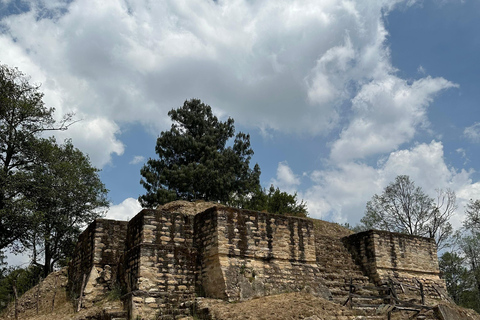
195 161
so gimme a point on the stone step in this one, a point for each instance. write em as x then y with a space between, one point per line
338 268
342 282
115 314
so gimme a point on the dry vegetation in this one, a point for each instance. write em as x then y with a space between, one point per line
27 304
54 285
286 306
330 229
187 207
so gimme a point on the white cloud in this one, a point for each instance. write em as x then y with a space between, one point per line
387 113
292 63
473 132
285 179
97 138
125 210
341 193
137 160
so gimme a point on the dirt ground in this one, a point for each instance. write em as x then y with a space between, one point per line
52 291
288 306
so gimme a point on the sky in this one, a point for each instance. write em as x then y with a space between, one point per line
339 97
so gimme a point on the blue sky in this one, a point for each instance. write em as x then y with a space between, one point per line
339 96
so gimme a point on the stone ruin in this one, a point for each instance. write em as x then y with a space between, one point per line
161 260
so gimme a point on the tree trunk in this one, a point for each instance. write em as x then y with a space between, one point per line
47 267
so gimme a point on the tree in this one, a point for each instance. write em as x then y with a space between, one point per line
404 208
274 201
439 227
3 265
470 247
64 193
194 161
23 117
462 271
23 278
472 220
455 275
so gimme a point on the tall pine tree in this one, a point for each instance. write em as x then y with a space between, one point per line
194 161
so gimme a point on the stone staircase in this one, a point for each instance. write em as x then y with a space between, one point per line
338 268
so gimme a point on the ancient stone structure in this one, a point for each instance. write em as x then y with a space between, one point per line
404 258
163 259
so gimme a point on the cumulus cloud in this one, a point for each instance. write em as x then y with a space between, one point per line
285 179
340 193
96 137
387 113
125 210
293 64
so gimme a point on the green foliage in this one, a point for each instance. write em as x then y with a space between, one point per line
455 274
274 201
472 220
64 193
23 118
404 208
47 191
115 293
194 161
461 270
23 278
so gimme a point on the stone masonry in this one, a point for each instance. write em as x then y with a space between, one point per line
161 259
403 258
97 258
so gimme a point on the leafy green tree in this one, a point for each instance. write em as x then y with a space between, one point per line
194 161
470 247
275 201
404 208
64 193
455 274
23 117
462 271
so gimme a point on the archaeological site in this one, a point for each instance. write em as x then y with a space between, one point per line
166 260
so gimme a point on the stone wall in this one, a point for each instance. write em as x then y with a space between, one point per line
209 280
403 258
245 254
160 264
162 259
96 257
